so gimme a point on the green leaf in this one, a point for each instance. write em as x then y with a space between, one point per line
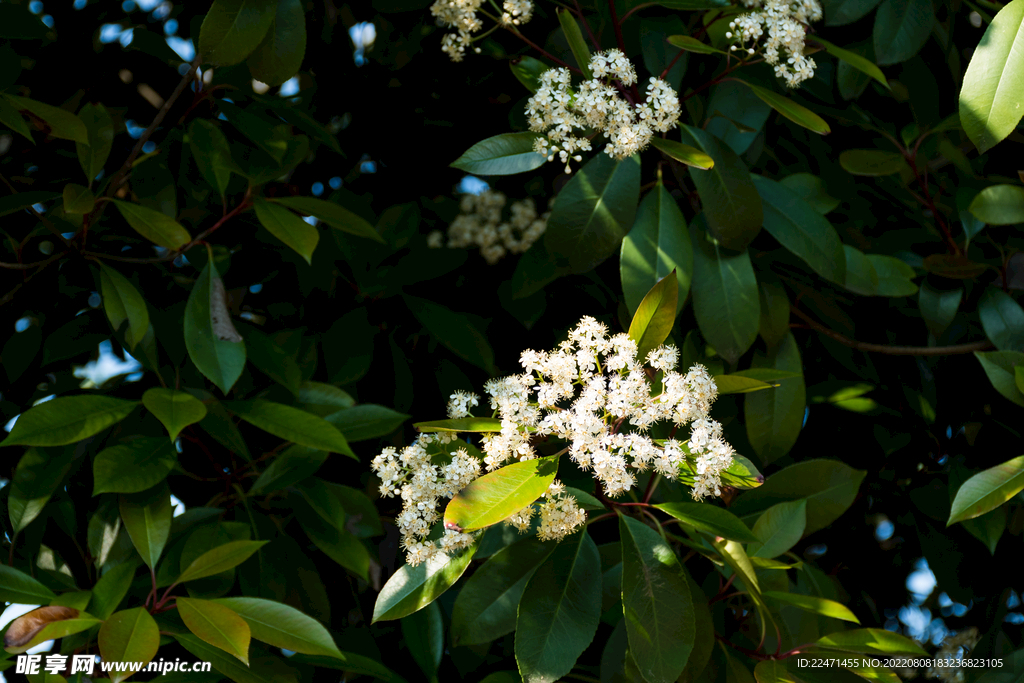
773 671
10 117
658 244
485 608
872 162
18 587
335 541
797 113
691 44
351 662
283 626
901 29
894 276
63 124
842 12
811 189
154 226
499 494
939 307
78 199
801 229
773 323
279 56
725 298
734 556
462 424
872 641
100 129
296 233
37 477
223 663
212 341
14 203
292 424
999 204
122 301
710 519
323 399
67 622
527 71
829 486
656 600
147 519
741 474
655 316
559 611
111 588
992 91
860 274
454 331
211 153
988 490
368 421
738 384
814 604
683 153
175 409
133 467
732 206
1000 366
220 559
218 625
291 467
774 418
574 37
129 636
232 29
1003 320
333 215
423 633
779 528
503 154
594 211
858 62
67 419
954 266
263 352
413 588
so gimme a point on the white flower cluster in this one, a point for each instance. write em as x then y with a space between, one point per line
784 21
559 514
461 16
480 225
565 114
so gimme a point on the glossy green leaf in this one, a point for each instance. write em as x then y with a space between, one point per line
734 556
528 71
279 56
211 339
336 542
455 331
559 611
999 205
801 229
499 494
283 626
779 528
63 124
656 600
658 244
485 608
296 233
423 633
175 409
412 588
121 302
153 225
738 384
691 44
732 206
1000 367
129 636
594 211
323 399
741 474
367 421
111 588
503 154
78 199
860 274
574 36
67 419
812 190
992 91
461 424
147 519
18 587
939 307
37 477
858 62
774 671
774 418
710 519
797 113
218 625
134 466
773 322
872 641
292 424
725 299
814 604
211 153
1003 320
988 490
332 214
842 12
92 155
901 29
872 162
895 278
290 467
220 559
264 353
232 29
655 316
735 115
349 661
684 154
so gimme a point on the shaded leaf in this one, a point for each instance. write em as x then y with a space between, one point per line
63 124
147 519
333 215
1003 320
232 29
292 424
1000 367
779 528
67 419
92 155
156 227
212 341
774 418
279 56
296 233
121 302
175 409
503 154
133 467
797 113
901 29
36 478
872 162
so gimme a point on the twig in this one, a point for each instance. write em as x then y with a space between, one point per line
586 25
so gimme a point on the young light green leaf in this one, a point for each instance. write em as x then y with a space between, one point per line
100 128
220 559
122 301
684 154
63 124
1000 367
496 495
774 418
296 233
988 490
78 199
67 419
279 56
218 625
333 215
691 44
129 636
999 204
901 29
232 29
212 341
656 600
574 36
147 519
1003 320
871 162
734 556
133 467
292 424
871 641
175 409
413 588
36 478
992 90
814 604
283 626
655 316
862 64
559 611
710 519
18 587
153 225
503 154
797 113
462 424
779 528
